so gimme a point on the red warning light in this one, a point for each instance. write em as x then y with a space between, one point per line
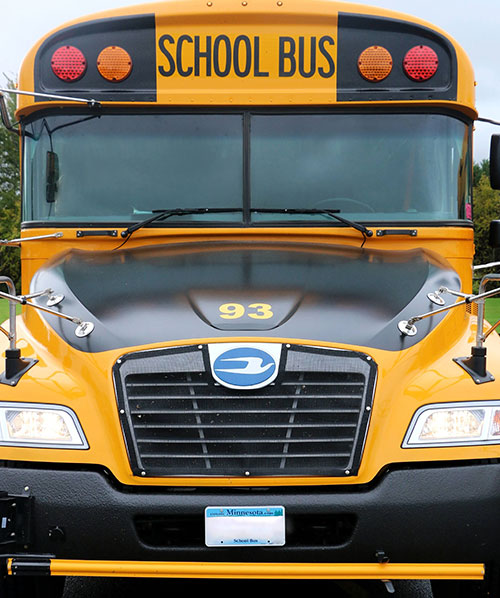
421 63
68 63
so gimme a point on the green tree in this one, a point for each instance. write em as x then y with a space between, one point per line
10 197
486 209
479 170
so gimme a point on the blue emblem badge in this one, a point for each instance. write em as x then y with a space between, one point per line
245 367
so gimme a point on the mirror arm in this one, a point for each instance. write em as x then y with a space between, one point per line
4 114
489 121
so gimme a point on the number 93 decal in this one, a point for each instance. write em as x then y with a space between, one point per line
256 311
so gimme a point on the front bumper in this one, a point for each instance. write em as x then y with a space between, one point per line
425 522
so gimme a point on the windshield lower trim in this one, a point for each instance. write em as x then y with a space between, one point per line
42 224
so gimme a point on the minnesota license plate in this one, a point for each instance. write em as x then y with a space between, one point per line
245 526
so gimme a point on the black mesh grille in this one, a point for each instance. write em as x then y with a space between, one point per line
179 421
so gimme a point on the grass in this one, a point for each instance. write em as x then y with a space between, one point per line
4 310
492 310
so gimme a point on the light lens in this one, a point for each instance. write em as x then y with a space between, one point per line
68 63
421 63
37 425
449 424
456 424
114 63
375 63
495 424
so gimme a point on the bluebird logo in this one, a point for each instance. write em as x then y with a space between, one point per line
245 366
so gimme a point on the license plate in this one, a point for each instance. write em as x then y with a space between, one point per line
245 526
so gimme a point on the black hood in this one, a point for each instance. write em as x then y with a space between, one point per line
175 292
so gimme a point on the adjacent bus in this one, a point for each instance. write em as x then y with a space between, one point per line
249 345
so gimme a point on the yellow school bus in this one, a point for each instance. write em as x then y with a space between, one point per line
249 346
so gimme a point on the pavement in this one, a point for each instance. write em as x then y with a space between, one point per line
137 587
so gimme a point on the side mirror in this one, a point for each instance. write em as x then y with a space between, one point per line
494 238
495 161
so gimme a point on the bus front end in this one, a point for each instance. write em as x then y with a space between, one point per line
249 345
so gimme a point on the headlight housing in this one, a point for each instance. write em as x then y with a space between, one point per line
454 424
40 426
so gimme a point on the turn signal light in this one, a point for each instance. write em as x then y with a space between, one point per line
114 63
68 63
375 63
421 63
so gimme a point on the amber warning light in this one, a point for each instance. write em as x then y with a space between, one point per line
375 63
114 63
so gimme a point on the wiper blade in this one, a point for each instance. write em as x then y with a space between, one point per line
159 215
366 232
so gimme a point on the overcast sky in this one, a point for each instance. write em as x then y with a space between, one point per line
475 24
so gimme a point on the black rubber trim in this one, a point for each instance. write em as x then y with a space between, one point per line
212 225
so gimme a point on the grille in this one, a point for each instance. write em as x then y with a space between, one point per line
311 420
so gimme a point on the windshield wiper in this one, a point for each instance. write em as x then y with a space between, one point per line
159 215
366 232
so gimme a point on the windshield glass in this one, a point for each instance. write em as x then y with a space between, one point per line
119 168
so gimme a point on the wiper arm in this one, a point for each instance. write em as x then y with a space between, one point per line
168 213
366 232
159 215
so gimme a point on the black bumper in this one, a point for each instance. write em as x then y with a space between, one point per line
441 514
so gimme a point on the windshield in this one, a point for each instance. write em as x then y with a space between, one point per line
372 168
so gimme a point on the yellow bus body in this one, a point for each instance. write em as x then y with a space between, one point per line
407 380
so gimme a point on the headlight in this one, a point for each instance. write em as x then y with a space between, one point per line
454 424
36 425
